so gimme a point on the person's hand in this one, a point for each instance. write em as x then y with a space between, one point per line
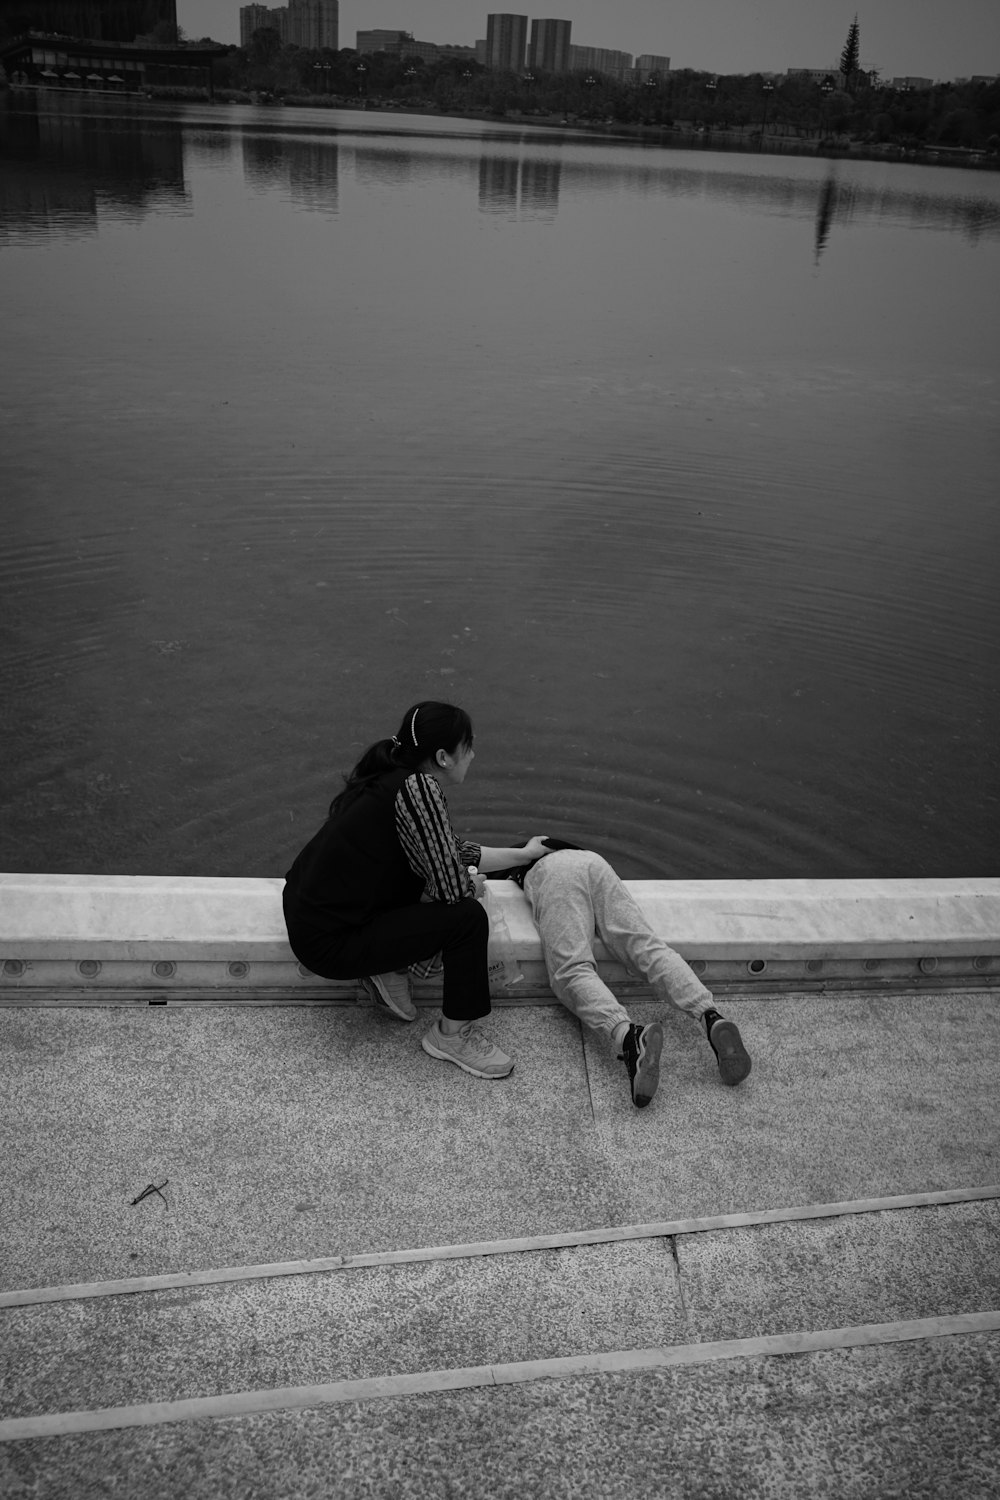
535 848
479 882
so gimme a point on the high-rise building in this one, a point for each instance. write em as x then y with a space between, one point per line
377 40
96 20
648 63
301 23
254 18
549 49
313 24
506 40
600 60
396 44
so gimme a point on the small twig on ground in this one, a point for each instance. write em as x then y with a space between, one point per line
152 1188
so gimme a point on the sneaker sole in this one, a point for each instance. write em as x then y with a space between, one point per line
733 1057
647 1072
433 1051
372 989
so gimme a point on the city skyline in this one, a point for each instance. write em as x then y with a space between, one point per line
898 37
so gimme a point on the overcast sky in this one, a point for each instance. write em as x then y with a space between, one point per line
925 38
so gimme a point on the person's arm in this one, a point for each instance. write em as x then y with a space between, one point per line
429 843
468 852
505 859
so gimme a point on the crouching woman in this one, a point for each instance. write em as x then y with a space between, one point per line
385 886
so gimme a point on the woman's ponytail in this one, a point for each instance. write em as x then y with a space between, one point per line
426 728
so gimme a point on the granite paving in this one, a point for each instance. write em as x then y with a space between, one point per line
912 1421
344 1325
313 1131
309 1131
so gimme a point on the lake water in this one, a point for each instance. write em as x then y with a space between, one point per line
677 469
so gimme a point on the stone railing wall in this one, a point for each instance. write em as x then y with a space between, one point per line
79 939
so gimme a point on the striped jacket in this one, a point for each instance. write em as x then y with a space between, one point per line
390 844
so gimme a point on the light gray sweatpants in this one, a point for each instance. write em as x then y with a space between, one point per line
575 893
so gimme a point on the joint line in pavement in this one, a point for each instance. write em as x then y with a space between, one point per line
430 1382
130 1286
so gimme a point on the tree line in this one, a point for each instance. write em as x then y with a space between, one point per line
847 105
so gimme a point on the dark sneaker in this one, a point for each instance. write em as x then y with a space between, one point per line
394 991
470 1049
641 1050
733 1057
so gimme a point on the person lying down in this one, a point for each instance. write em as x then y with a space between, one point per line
575 894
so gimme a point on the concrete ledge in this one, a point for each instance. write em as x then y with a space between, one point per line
103 937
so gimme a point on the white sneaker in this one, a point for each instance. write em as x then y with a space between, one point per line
470 1049
394 991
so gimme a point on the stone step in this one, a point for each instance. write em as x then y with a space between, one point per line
446 1311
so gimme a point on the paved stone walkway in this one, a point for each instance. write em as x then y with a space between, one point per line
301 1132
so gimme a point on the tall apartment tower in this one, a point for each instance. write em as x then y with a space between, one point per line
301 23
648 63
95 19
506 39
314 24
549 49
253 18
600 60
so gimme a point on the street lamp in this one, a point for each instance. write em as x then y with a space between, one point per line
323 68
590 83
711 84
361 71
826 89
767 88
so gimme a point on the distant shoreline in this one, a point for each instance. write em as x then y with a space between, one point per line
680 136
687 136
747 142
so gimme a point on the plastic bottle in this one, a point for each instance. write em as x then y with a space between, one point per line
502 964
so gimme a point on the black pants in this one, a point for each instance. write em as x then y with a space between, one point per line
403 936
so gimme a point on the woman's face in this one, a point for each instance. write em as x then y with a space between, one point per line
452 768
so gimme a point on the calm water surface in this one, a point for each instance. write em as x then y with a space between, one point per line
677 469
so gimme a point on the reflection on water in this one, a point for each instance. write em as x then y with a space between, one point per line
307 169
391 167
515 185
498 181
135 161
570 432
540 186
825 214
59 168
